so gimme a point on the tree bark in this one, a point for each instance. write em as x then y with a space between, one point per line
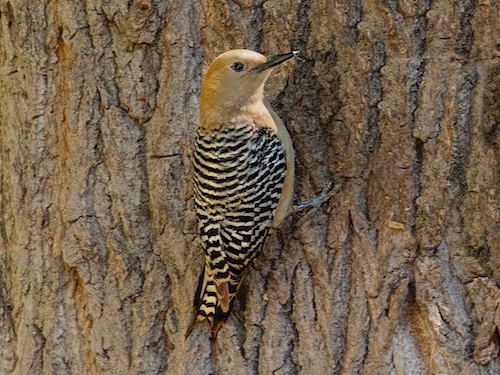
396 101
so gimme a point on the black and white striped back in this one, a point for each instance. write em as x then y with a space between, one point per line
238 173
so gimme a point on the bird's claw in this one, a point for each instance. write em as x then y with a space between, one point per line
328 191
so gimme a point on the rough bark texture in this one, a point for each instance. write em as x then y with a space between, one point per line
396 274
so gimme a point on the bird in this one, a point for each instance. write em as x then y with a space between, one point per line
243 176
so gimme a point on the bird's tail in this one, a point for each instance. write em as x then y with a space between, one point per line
207 306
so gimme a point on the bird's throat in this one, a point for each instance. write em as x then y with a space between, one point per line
216 114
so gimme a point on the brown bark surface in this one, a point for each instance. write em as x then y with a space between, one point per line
397 274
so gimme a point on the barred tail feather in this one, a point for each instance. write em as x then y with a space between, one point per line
206 305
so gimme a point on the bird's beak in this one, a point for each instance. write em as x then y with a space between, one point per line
275 60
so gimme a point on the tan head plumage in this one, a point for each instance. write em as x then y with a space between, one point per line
233 84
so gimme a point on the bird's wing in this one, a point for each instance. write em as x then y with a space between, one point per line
238 179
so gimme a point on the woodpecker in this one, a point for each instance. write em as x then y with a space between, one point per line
243 172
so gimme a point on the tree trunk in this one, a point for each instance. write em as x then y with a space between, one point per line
396 101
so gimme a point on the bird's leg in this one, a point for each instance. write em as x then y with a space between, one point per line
328 191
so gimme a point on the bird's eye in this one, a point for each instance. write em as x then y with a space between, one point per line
238 66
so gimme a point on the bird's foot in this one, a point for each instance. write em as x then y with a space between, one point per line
328 191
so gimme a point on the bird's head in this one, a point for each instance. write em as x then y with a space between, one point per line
234 81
